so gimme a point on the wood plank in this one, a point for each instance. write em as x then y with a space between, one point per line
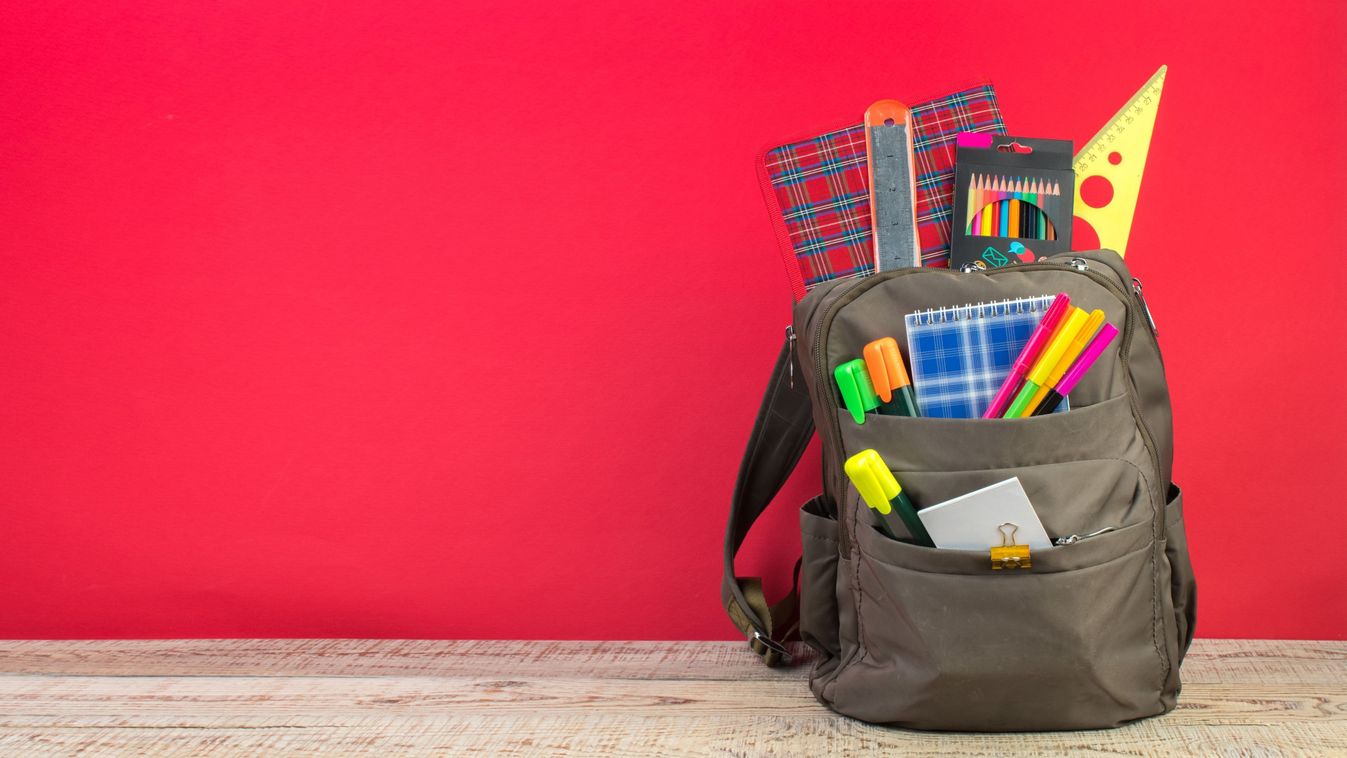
603 735
382 697
1292 661
350 657
29 700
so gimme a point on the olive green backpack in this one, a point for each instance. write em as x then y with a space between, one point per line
1090 635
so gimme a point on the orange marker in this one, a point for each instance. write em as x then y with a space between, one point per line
884 363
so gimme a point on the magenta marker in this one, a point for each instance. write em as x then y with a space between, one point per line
1042 333
1068 381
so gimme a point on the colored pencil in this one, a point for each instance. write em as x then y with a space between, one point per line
972 200
1003 212
982 203
1040 230
982 195
1026 210
1037 199
1017 220
1042 214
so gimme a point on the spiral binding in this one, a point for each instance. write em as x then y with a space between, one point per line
981 310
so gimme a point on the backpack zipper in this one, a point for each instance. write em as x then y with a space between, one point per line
854 289
1072 539
1136 288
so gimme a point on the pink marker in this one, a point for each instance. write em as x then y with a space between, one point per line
1083 363
1042 333
1106 334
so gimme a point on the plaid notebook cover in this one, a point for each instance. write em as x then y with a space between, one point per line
818 192
961 355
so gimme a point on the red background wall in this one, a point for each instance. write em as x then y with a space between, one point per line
450 320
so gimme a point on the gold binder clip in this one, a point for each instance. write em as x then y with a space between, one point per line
1009 555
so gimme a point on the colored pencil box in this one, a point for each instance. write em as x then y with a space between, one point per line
818 194
1013 198
1087 633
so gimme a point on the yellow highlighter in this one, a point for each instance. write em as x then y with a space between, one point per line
881 491
1069 357
1038 375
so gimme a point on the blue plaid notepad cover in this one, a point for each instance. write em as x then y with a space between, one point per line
960 355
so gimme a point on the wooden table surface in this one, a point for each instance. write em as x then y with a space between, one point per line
382 697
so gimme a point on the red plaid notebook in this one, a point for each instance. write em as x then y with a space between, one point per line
819 195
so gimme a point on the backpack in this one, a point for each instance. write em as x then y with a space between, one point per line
1090 635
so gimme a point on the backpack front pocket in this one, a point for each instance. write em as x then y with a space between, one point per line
1072 642
910 443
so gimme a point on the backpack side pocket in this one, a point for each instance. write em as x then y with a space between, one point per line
818 578
1182 583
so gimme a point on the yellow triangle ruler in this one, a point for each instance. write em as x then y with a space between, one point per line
1111 164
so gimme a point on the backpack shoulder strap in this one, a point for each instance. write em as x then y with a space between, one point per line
780 433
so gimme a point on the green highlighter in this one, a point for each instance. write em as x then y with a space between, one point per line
856 382
858 392
882 492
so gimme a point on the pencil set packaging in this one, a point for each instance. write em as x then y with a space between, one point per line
1013 200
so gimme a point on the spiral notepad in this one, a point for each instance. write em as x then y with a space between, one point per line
961 354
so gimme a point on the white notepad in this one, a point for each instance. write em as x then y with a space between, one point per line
972 521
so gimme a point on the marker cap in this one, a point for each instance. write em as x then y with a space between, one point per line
873 480
1077 345
1053 353
858 394
1041 334
885 363
1106 334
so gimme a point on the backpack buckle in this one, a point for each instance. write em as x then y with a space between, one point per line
760 642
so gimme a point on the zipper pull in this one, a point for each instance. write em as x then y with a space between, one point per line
1136 288
1074 538
790 355
1079 264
